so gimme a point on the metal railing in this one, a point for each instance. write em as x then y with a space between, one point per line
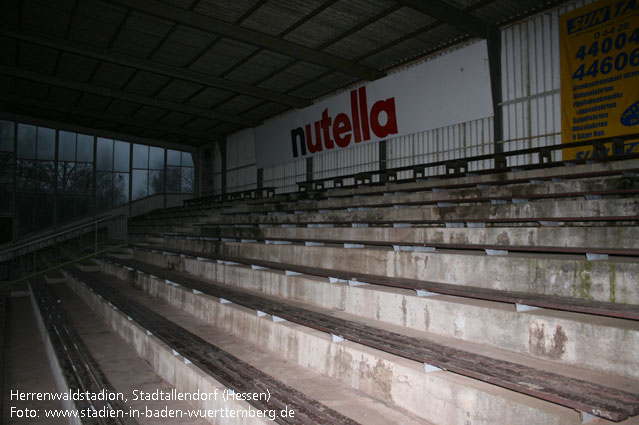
49 251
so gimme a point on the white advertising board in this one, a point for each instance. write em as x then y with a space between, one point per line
450 89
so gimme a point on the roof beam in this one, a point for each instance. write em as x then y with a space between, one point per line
150 66
249 36
130 97
119 119
452 16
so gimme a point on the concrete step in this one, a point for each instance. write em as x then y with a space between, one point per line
26 367
240 321
542 211
612 280
562 337
190 374
537 190
621 240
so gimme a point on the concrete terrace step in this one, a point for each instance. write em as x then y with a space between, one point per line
562 211
535 382
611 280
622 186
191 349
72 365
623 241
546 334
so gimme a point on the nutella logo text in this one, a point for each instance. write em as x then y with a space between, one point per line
327 132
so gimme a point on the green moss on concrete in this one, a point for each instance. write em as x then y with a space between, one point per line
583 280
613 283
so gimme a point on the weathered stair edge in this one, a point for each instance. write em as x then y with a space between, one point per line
186 378
595 280
54 363
451 399
559 338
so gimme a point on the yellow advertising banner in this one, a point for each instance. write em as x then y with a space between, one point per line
599 56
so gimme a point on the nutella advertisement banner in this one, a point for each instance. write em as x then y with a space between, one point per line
450 89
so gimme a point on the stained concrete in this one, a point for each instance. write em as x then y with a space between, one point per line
563 337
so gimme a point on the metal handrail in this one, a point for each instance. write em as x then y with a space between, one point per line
23 247
59 266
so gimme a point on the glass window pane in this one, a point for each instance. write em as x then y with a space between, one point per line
120 188
173 182
6 136
85 148
140 183
66 146
103 190
187 179
25 178
122 152
26 141
156 182
156 158
45 176
66 177
140 156
173 157
84 179
187 159
25 220
105 154
6 182
46 143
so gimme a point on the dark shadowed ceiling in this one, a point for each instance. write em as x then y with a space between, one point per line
193 71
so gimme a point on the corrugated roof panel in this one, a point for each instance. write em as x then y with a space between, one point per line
96 22
324 85
32 89
149 113
462 4
266 111
222 56
184 4
122 107
7 84
75 67
146 83
414 47
141 34
63 95
8 51
336 20
10 12
179 90
229 11
176 118
209 97
391 27
258 67
225 128
273 18
182 46
500 11
201 124
49 17
37 58
94 102
111 75
293 76
237 104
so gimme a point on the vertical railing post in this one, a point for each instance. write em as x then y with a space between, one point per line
96 237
